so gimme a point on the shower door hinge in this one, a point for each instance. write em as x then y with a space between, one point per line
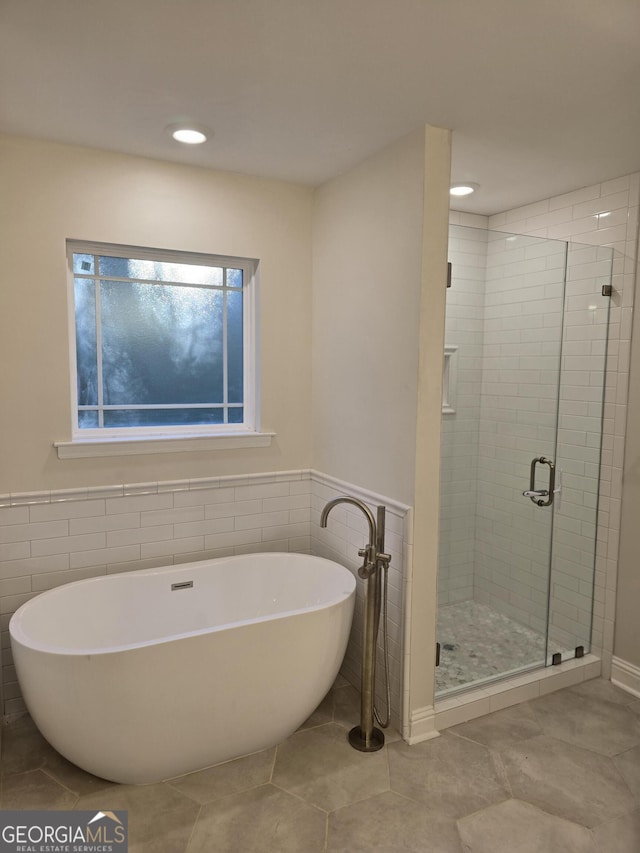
449 273
579 651
607 290
556 659
437 654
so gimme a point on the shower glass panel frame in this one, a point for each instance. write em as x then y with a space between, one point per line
527 333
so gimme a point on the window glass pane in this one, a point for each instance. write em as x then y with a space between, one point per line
162 417
160 271
88 420
234 347
83 264
234 278
158 333
161 344
87 366
118 267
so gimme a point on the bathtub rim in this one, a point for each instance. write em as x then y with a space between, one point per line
19 635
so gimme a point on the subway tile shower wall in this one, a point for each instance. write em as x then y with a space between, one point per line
602 215
52 538
522 344
605 214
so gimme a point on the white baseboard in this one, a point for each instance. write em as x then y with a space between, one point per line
422 726
625 675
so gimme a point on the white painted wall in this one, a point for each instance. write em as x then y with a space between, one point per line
379 251
380 238
53 192
367 245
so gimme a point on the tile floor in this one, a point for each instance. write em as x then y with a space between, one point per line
559 774
478 644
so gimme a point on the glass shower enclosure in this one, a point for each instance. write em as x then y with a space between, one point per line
522 417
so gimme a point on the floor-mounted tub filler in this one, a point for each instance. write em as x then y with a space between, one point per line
374 570
143 676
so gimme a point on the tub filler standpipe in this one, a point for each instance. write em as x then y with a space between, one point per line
366 737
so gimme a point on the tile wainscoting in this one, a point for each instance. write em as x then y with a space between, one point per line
52 538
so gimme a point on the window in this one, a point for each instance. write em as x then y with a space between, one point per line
162 343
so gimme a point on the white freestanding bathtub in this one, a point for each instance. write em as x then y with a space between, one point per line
143 676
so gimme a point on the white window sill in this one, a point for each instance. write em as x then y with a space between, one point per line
85 448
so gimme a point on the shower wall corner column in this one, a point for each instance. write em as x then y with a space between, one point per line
421 599
380 235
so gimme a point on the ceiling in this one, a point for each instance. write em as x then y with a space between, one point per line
543 96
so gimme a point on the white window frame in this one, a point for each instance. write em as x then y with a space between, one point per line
108 441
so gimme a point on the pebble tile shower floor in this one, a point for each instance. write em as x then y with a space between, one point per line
477 644
559 774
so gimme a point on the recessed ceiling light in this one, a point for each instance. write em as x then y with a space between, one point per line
463 188
190 134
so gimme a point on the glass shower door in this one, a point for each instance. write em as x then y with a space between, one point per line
525 343
504 324
522 349
579 451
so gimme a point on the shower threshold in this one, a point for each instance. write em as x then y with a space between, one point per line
469 704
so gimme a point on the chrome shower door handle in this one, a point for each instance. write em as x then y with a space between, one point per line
537 495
